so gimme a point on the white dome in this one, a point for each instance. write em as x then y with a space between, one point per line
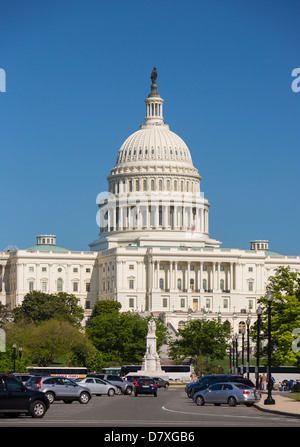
154 143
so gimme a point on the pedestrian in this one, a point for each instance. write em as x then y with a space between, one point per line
263 382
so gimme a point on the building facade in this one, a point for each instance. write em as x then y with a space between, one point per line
154 253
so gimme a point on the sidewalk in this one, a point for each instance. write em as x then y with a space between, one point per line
283 404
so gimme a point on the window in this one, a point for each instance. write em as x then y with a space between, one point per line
75 286
222 284
131 284
207 303
204 284
75 269
131 267
179 283
131 302
31 269
165 302
225 303
44 286
87 287
31 286
250 286
44 269
182 302
59 285
250 269
88 270
161 283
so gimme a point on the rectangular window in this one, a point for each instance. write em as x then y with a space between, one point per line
88 270
44 269
131 303
44 286
31 286
87 287
31 269
131 267
182 302
207 303
225 303
75 269
75 286
250 286
131 284
165 302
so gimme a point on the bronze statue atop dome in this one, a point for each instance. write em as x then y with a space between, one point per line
153 77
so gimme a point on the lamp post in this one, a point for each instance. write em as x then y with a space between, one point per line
259 312
233 367
242 331
248 321
14 348
236 353
269 400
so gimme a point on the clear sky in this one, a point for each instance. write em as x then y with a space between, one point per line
77 74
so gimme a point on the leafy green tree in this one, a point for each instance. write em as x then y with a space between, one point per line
39 306
201 339
285 316
121 336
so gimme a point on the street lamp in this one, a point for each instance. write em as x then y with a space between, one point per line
233 367
248 321
259 312
242 331
14 348
269 400
236 353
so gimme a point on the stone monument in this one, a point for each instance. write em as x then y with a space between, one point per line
151 362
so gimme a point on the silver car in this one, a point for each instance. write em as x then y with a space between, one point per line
59 388
98 386
228 393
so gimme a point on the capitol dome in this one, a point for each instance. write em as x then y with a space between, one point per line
154 142
154 189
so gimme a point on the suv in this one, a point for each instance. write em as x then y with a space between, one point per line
206 381
122 385
59 388
16 398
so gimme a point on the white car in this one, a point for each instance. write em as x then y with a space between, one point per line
98 386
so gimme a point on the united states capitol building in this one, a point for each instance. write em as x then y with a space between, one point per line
154 253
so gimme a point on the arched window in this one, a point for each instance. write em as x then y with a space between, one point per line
59 285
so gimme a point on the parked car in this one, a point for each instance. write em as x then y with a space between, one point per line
161 383
227 393
145 386
59 388
22 377
205 381
134 379
16 399
122 385
98 386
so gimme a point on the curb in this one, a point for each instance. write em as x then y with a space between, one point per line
282 413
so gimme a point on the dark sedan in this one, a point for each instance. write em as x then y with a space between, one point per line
145 386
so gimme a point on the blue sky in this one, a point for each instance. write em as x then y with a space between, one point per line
77 74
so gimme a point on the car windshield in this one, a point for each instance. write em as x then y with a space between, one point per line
145 381
34 379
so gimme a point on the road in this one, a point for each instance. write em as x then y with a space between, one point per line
171 410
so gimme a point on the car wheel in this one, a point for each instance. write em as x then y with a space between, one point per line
111 392
38 409
50 396
84 398
166 385
232 401
199 400
129 390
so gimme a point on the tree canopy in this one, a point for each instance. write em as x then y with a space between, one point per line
121 336
39 306
285 317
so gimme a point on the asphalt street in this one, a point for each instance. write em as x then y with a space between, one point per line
170 409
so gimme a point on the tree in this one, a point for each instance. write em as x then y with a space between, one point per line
201 338
39 306
6 314
121 336
285 316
